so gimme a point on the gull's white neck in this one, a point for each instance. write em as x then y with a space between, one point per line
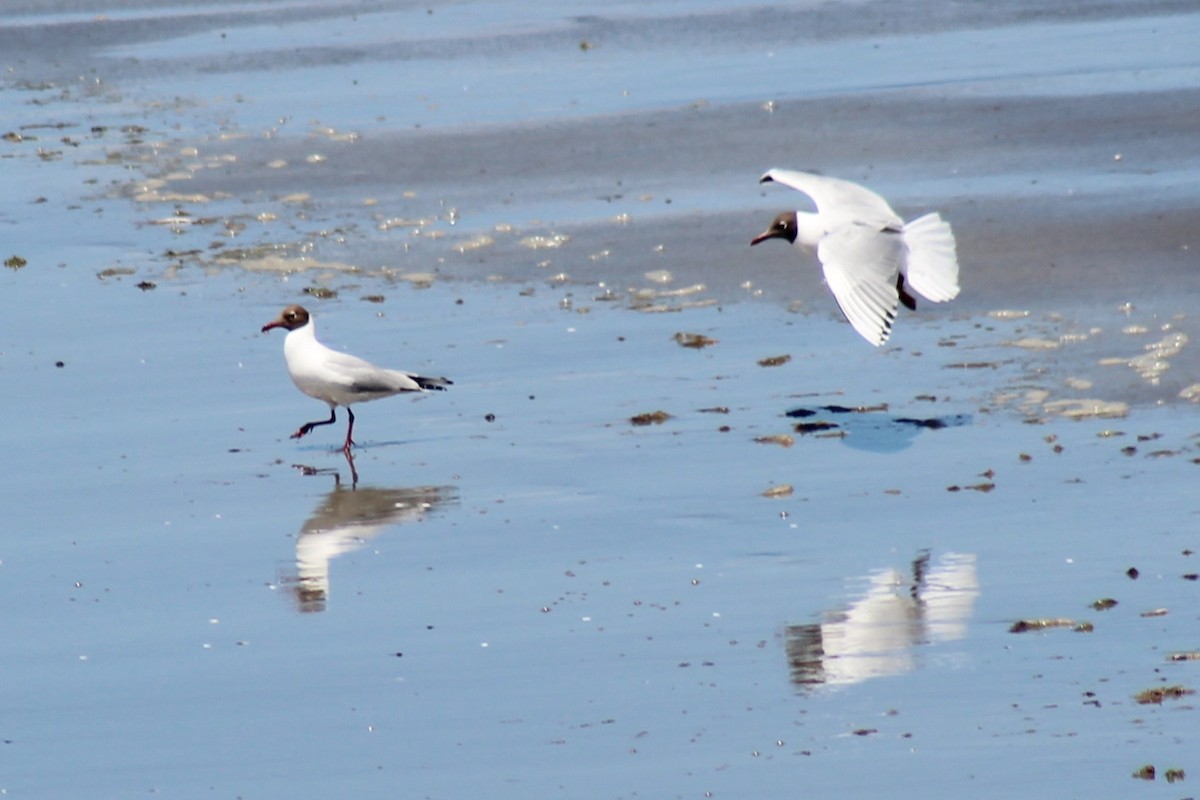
810 228
300 339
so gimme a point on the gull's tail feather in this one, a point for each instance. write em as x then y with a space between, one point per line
932 265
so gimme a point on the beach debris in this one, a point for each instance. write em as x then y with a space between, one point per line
649 299
1027 625
984 487
816 426
15 262
715 410
1087 408
973 365
781 439
1104 604
1151 364
1155 612
320 292
774 361
1034 343
779 490
1008 314
650 418
541 242
697 341
835 409
146 286
1132 573
281 258
333 134
477 242
1157 694
419 280
931 423
1145 773
414 223
1187 655
115 272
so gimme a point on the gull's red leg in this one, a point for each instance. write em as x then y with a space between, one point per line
349 432
307 427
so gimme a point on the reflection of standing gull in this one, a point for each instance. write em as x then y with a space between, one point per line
876 636
343 522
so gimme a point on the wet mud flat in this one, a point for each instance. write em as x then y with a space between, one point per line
675 531
717 601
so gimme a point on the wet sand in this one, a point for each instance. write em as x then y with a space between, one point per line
1071 192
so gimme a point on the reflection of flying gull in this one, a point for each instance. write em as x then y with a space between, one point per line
869 255
876 636
338 379
345 520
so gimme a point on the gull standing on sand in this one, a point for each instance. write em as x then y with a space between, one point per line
870 256
338 379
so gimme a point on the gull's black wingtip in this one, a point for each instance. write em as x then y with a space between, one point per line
433 384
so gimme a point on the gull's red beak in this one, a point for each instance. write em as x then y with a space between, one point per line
769 233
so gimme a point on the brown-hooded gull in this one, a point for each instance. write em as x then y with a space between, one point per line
870 256
338 379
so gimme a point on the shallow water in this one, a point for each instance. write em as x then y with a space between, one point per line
525 593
